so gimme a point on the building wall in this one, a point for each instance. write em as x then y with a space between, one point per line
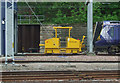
28 37
78 31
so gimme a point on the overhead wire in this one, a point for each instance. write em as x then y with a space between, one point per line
36 17
40 22
43 27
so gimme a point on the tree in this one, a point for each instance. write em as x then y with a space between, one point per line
72 12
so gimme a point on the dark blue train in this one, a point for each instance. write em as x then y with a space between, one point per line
107 37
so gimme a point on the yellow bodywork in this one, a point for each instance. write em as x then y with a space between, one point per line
52 45
99 38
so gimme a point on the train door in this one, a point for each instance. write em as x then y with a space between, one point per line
119 34
115 34
112 34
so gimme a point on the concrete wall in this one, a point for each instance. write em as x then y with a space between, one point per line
78 31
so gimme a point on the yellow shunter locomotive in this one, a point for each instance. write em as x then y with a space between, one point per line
53 45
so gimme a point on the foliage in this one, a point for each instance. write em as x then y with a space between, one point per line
72 12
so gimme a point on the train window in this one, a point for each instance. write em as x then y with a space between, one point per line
116 22
112 32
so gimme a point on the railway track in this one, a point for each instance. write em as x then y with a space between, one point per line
64 59
34 54
31 61
60 75
59 58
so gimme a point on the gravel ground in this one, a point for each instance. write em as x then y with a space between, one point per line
68 58
84 81
60 66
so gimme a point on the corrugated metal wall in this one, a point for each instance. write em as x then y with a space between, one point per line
28 37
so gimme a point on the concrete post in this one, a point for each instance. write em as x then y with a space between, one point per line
6 54
13 31
0 29
90 27
9 30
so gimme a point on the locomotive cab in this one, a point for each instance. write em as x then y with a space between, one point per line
107 37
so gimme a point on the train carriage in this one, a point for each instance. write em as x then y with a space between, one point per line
107 37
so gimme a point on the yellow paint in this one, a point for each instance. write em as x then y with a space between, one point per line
62 27
81 44
75 51
69 32
52 45
100 32
49 51
55 33
56 50
73 43
68 50
83 39
12 45
41 44
99 38
23 49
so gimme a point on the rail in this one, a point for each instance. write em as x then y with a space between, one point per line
60 75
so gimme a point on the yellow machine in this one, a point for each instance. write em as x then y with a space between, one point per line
53 45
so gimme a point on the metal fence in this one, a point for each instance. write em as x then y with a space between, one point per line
30 19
